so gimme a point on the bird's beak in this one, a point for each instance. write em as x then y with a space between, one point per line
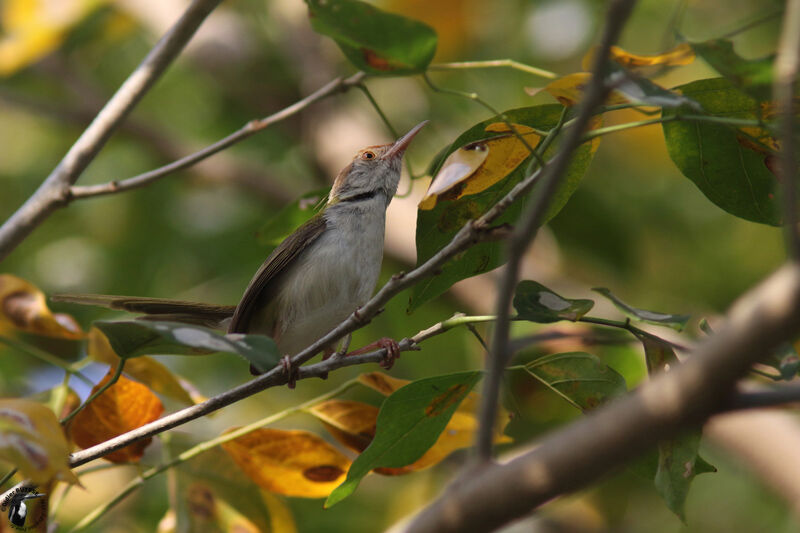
399 147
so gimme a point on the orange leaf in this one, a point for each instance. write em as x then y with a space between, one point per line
31 438
569 89
477 166
680 55
23 307
147 370
293 463
126 405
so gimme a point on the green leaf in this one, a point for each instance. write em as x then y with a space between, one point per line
678 464
409 422
535 302
754 76
377 42
730 166
579 377
133 338
436 227
676 322
288 219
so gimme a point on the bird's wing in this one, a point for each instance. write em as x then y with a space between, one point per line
260 287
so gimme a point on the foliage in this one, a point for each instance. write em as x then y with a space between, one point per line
719 134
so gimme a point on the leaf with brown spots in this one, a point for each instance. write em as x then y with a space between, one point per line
292 463
124 406
681 55
375 41
24 307
32 440
407 426
580 378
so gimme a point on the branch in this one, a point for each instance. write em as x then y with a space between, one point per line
53 193
605 440
787 65
525 230
251 128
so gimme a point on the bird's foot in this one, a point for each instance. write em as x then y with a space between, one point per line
290 370
392 351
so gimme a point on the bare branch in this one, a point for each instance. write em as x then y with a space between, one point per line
787 66
251 128
525 230
54 191
491 495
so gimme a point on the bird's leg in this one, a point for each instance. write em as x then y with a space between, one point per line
291 371
392 351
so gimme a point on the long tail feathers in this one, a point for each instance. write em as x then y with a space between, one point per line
158 308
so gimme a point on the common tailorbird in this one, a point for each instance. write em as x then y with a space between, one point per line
317 276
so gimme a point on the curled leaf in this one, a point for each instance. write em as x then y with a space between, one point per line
478 165
124 406
24 307
676 322
31 439
682 54
293 463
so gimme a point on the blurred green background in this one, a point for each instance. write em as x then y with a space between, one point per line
636 225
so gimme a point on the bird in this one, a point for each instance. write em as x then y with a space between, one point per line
316 277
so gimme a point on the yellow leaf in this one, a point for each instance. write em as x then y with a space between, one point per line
147 370
31 29
478 165
280 516
680 55
23 307
32 440
292 463
124 406
569 89
353 424
207 512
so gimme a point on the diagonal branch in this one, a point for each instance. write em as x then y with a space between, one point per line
605 440
54 191
525 230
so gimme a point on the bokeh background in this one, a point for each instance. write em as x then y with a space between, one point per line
636 225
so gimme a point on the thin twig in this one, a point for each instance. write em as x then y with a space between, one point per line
787 66
46 357
525 229
494 63
251 128
53 193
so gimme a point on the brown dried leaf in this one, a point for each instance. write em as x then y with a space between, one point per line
126 405
31 439
293 463
24 307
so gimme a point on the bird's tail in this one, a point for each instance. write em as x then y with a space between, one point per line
210 315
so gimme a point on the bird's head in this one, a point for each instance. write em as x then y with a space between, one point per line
374 170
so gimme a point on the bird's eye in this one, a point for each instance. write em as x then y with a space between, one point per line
368 155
